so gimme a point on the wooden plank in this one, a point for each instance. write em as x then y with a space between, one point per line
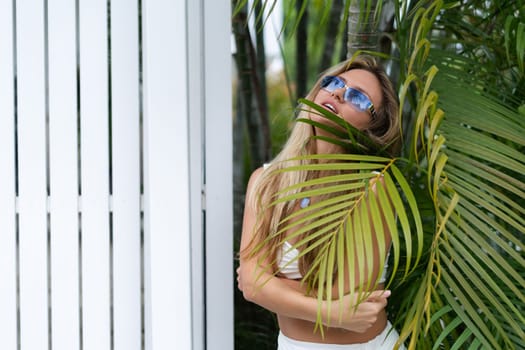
63 170
167 229
196 107
219 212
8 297
126 175
32 175
93 41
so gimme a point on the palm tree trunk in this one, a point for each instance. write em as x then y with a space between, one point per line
343 54
239 178
362 27
242 111
248 87
331 34
302 46
251 121
260 84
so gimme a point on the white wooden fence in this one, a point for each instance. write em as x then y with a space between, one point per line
115 175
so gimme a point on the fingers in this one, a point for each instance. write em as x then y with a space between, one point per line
379 297
376 295
239 281
359 319
367 313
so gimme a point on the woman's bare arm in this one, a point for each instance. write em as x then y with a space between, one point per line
286 297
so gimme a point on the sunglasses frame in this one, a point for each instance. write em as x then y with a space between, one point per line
330 79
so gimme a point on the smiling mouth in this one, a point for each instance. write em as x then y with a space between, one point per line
330 107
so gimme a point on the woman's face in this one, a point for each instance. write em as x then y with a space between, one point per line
359 79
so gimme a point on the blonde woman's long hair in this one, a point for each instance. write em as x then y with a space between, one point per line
383 129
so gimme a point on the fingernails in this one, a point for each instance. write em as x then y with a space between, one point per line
387 293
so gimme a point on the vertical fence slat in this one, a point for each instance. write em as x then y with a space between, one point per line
93 47
173 234
219 217
126 174
167 229
196 107
8 329
63 175
32 175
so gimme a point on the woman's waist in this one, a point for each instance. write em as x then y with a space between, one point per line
305 331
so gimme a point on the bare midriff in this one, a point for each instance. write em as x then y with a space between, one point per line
305 330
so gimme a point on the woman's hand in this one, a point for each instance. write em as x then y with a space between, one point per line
239 279
345 314
288 298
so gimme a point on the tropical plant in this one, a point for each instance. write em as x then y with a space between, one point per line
458 188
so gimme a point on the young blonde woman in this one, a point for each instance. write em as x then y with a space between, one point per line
360 92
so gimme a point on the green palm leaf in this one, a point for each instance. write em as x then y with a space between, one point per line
340 223
468 262
455 204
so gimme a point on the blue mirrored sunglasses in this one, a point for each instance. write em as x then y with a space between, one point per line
353 97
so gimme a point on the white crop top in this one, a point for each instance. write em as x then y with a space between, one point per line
287 267
290 269
289 264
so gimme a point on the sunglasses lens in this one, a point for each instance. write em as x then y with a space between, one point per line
326 81
330 83
354 97
357 99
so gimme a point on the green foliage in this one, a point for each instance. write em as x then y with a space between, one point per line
459 188
318 17
468 136
281 112
343 134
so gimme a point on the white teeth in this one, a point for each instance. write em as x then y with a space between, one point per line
330 107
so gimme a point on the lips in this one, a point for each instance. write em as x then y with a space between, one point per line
330 107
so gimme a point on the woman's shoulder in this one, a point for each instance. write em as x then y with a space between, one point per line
254 178
257 173
252 188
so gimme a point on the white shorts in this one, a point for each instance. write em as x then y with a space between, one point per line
384 341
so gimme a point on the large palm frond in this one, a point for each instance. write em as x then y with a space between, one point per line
471 285
335 226
458 192
481 248
469 136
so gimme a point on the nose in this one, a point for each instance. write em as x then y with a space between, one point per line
339 94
